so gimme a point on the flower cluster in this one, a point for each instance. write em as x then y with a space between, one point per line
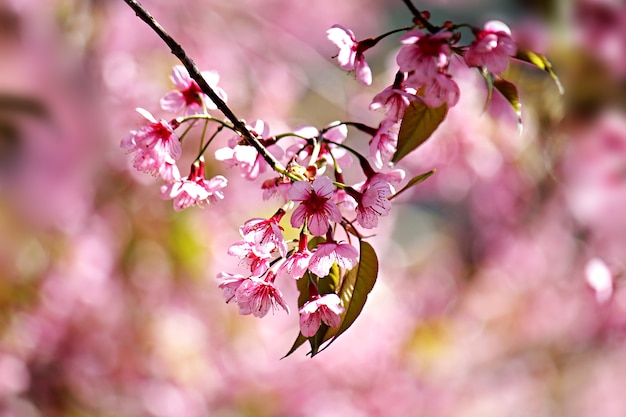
327 213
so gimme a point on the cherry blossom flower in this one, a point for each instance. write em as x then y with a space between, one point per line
394 100
374 202
266 233
154 144
423 55
257 258
442 89
276 187
327 152
326 308
298 262
257 295
350 57
194 189
246 157
315 207
326 254
188 95
492 47
384 143
229 283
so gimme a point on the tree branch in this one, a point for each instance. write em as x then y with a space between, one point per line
418 15
195 74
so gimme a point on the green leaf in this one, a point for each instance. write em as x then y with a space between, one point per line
509 91
412 182
418 123
541 62
354 290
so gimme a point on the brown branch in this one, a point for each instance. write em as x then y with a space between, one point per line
195 74
418 15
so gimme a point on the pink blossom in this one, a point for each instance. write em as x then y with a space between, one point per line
350 57
374 202
266 233
315 207
600 279
424 55
326 254
296 264
394 100
327 151
154 144
384 143
442 89
229 283
276 187
257 295
326 308
492 47
194 189
188 94
257 258
246 157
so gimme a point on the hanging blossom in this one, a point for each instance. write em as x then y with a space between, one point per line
194 189
492 48
248 159
442 89
328 153
315 205
266 233
326 308
154 144
298 262
350 57
188 95
257 295
229 283
373 201
326 254
384 143
423 56
394 99
257 258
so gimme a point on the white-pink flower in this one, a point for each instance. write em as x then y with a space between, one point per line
442 89
384 143
394 101
424 55
326 308
246 157
315 207
257 295
266 233
229 283
296 264
188 95
350 57
194 189
492 47
374 202
326 254
257 258
154 144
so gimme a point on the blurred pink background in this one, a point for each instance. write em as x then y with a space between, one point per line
501 290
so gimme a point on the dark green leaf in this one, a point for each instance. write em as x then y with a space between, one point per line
509 91
412 182
418 124
354 290
541 62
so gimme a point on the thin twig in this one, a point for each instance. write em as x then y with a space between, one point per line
194 73
418 15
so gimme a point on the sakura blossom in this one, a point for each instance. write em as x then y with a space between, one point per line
266 233
256 257
188 95
350 57
384 143
154 144
374 201
423 56
326 308
344 254
442 89
194 189
297 263
316 207
257 296
492 48
394 100
229 283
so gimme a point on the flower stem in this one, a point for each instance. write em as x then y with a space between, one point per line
238 125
